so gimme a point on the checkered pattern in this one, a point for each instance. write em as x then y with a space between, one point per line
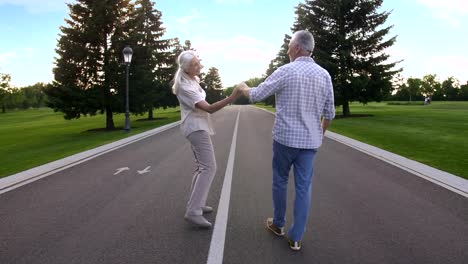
304 93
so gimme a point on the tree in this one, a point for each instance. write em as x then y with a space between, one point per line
450 89
350 45
281 59
34 96
463 93
430 85
152 63
14 98
213 86
5 80
414 87
89 53
170 99
188 45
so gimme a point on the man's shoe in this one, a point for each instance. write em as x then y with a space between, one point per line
198 220
279 231
207 209
295 245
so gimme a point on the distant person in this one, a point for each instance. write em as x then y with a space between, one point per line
197 128
427 101
304 94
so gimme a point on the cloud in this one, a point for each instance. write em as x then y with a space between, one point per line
450 11
185 24
38 6
238 58
195 14
5 57
446 66
27 65
454 6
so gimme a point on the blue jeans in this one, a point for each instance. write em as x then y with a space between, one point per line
303 161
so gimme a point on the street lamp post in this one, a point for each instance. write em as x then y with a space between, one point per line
127 53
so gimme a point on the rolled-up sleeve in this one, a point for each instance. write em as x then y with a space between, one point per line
329 106
271 85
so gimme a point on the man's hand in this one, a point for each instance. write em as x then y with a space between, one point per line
244 89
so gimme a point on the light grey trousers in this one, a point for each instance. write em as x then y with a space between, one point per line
206 169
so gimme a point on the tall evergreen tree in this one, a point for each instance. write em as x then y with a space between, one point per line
151 67
89 53
176 48
212 85
282 57
349 43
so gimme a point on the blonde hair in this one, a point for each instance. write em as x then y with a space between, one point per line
183 61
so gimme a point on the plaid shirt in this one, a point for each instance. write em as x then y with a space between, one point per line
304 93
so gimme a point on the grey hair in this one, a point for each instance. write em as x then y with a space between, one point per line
183 61
305 40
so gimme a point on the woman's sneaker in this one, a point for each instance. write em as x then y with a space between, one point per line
198 221
207 209
279 231
295 245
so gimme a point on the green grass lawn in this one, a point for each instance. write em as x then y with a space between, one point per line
34 137
436 135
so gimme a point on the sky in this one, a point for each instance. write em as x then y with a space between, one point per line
241 37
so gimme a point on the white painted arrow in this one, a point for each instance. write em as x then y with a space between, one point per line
119 170
145 170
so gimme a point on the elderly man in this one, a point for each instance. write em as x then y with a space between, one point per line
304 109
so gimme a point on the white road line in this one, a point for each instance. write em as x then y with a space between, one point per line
146 170
25 177
216 253
119 170
444 179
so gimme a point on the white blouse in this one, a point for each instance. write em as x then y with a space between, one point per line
193 118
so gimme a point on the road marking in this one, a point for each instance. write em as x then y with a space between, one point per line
215 255
25 177
119 170
146 170
444 179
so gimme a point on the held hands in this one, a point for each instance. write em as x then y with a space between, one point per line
241 90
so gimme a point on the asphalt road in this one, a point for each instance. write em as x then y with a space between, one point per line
363 210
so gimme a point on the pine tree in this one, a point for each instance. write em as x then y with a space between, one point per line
282 57
212 84
349 43
89 53
152 64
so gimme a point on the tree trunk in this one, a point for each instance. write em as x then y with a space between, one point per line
346 111
3 109
109 119
150 114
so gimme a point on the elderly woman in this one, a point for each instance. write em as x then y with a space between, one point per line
196 127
